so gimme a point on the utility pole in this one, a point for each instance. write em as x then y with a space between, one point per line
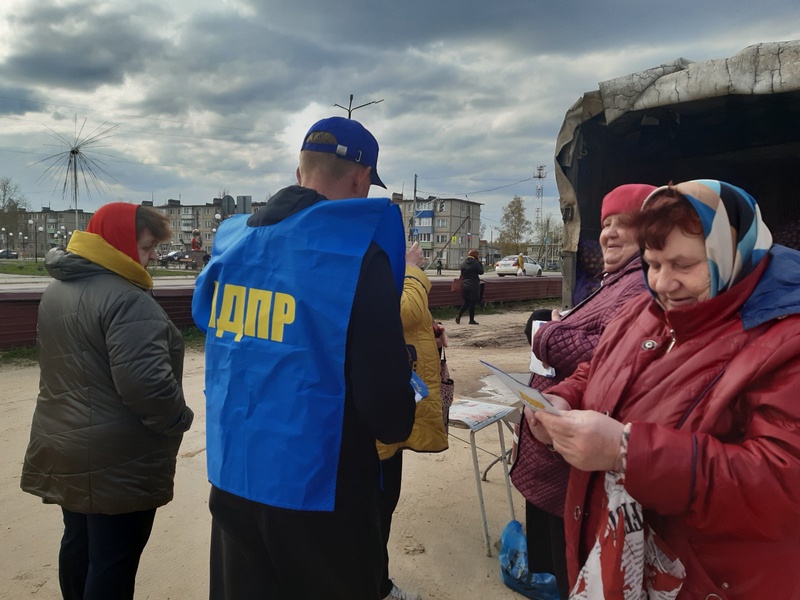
350 108
539 176
447 245
413 220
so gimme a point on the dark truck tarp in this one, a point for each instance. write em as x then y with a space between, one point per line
735 119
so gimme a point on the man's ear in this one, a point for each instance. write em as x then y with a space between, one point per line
362 180
297 174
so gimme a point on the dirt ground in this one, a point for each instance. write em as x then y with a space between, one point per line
436 547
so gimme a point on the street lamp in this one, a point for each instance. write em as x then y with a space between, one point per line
63 236
5 239
36 231
11 235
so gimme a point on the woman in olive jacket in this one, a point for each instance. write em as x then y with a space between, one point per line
429 433
110 414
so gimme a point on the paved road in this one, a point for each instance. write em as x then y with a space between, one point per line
37 283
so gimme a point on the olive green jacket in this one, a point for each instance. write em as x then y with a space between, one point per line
110 414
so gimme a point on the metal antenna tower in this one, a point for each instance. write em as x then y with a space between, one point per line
350 108
539 176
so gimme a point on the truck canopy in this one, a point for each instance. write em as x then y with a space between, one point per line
735 119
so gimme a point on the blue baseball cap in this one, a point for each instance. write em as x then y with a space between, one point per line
353 142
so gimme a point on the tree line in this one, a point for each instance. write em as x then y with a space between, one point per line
517 233
12 203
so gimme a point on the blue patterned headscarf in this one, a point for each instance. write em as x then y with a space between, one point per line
736 236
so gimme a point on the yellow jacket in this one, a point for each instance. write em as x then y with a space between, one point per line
428 434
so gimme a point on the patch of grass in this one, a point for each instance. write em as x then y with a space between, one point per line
450 312
19 357
194 339
22 267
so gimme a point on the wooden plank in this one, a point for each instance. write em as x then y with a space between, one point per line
498 289
18 317
18 310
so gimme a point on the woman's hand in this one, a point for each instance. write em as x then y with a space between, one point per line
536 427
414 256
439 334
587 439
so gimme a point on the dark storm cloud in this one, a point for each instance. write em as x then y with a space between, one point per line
80 45
18 101
228 64
565 27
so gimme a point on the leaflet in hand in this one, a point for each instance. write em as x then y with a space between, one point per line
531 397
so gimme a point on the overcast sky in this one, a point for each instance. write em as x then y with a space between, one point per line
211 95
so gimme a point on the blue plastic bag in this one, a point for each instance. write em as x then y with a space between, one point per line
514 567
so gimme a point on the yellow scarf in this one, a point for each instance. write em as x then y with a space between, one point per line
94 248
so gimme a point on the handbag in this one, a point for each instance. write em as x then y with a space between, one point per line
457 284
448 387
628 561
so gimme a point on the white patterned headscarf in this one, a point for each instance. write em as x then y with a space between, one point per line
736 237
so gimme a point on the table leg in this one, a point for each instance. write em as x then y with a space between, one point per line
480 492
505 468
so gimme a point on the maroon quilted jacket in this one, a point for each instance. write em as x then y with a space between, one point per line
539 475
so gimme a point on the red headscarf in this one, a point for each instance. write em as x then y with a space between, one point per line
116 224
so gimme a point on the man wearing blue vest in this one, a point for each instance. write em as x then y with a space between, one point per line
306 367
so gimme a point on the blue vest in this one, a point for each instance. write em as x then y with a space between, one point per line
275 302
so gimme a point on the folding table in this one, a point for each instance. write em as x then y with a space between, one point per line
475 416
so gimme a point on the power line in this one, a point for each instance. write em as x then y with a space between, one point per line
157 120
450 195
175 135
152 164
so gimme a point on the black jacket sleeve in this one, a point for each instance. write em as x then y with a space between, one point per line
377 366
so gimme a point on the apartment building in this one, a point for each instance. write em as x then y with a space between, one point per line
445 228
37 232
185 218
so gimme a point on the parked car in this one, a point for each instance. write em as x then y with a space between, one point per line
508 266
6 253
173 256
553 266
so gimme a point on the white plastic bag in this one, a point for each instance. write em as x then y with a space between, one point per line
628 561
536 365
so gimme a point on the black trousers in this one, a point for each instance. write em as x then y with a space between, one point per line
547 549
100 554
260 552
471 298
392 470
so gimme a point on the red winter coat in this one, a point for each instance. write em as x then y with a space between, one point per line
714 451
539 475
